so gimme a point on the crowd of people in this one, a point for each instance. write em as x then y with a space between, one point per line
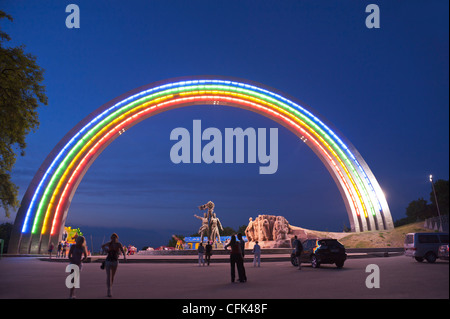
114 249
237 254
61 250
64 246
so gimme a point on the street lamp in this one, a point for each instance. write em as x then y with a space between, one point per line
435 198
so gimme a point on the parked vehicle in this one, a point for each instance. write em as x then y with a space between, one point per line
424 246
443 252
321 251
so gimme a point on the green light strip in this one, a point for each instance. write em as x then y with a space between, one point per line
59 172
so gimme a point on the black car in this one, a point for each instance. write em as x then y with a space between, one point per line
321 251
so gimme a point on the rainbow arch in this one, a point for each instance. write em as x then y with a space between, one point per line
43 211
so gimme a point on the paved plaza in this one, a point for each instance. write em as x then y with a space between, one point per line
400 277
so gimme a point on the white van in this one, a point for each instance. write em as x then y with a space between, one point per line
422 246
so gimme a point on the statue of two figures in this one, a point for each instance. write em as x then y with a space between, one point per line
210 223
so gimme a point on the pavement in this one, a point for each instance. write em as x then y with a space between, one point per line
191 256
401 277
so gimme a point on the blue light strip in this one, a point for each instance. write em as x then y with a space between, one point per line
45 180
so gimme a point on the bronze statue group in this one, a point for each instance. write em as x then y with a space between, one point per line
210 227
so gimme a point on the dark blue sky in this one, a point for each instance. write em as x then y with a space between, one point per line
385 89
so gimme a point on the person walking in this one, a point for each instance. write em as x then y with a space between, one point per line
112 260
201 251
58 251
208 253
75 253
298 251
241 262
50 250
256 254
64 249
235 257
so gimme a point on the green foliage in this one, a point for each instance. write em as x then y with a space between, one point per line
5 234
227 231
242 229
21 93
79 233
420 209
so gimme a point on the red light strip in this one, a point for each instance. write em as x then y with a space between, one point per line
105 138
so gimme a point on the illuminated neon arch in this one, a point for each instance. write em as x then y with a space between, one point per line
43 211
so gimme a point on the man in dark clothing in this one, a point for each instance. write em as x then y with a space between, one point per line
241 263
235 257
208 252
298 251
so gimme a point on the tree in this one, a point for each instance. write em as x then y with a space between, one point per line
5 234
242 229
21 93
227 231
418 210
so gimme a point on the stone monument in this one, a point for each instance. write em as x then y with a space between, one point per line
215 224
270 231
204 228
210 223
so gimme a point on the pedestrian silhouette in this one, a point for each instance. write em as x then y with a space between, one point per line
201 251
208 253
114 248
298 247
256 255
75 253
50 249
240 264
235 257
